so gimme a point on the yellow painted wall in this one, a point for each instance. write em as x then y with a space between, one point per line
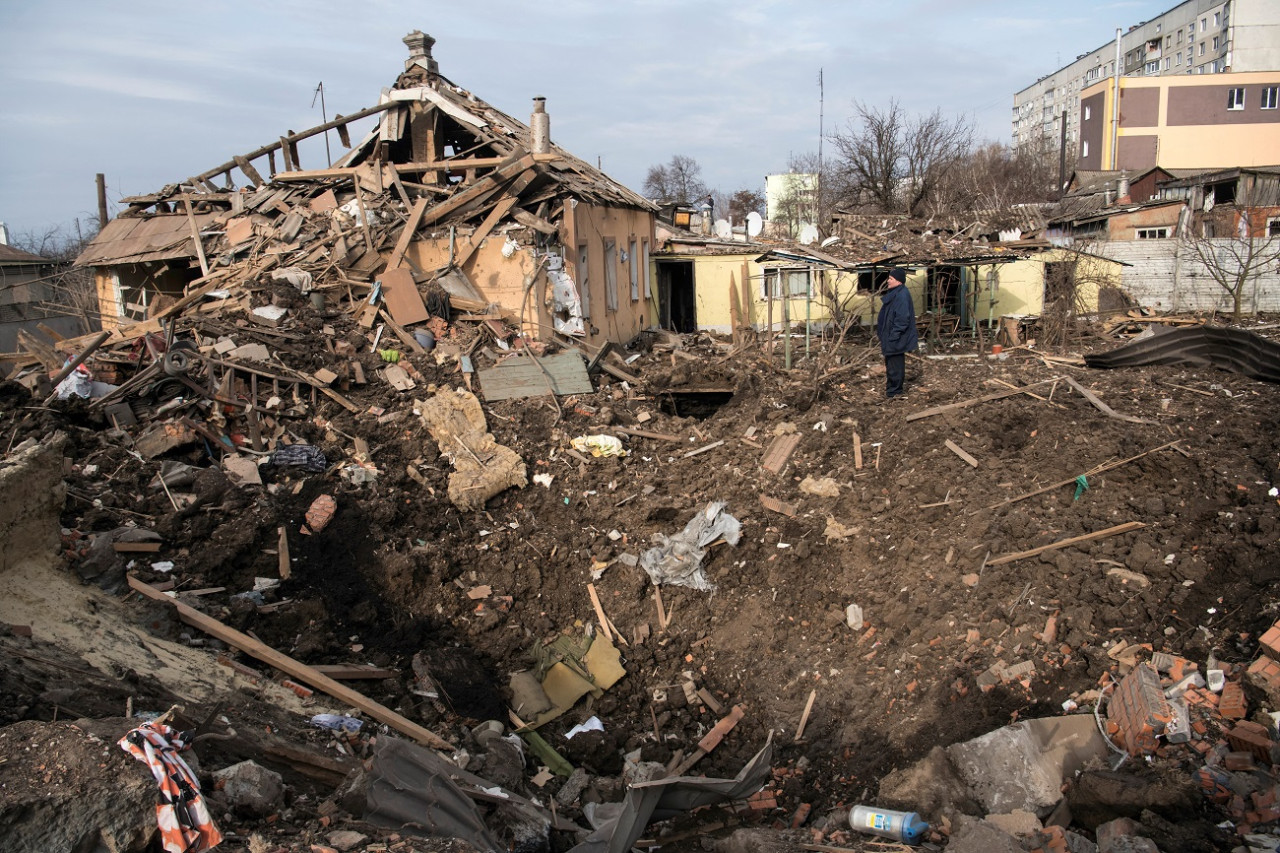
1020 288
713 275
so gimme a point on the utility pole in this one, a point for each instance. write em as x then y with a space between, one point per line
821 116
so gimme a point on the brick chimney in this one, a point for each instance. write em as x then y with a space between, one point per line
419 44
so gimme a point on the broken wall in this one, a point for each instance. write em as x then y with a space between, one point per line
31 498
1166 277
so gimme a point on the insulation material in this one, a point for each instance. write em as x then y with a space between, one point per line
482 467
566 307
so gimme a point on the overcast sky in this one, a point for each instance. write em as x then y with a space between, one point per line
150 92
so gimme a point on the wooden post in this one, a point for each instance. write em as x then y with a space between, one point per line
76 362
195 236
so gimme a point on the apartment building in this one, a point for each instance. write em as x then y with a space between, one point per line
1193 37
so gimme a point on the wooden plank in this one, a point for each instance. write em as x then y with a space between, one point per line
283 563
998 395
780 450
195 238
958 451
406 233
295 668
1101 406
478 190
401 297
74 363
1092 472
604 620
537 223
400 332
354 671
1064 543
517 378
804 718
857 452
640 433
136 547
712 446
502 208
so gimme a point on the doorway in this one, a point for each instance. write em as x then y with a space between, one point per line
678 311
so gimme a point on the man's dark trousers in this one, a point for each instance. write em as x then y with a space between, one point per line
895 369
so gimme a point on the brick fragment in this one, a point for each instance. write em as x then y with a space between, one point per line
1231 704
1140 710
1270 640
1238 761
1245 737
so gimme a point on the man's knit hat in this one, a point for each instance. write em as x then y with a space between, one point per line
898 273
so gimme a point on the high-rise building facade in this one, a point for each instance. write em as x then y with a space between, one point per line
1194 37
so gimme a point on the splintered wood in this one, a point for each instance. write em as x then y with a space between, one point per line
482 467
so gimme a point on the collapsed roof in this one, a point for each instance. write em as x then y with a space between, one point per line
438 156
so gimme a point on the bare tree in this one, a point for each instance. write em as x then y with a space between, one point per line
70 290
745 201
895 162
678 181
994 176
1236 247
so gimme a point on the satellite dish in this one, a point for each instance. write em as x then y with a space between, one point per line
723 229
827 242
755 224
808 235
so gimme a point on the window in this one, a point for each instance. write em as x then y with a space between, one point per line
644 261
584 283
1088 113
1217 19
1179 36
1177 59
1168 63
1269 97
1215 42
1235 98
797 282
1152 67
1204 24
633 266
1084 148
1202 48
1273 226
1152 233
611 275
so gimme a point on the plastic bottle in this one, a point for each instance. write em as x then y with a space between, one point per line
906 827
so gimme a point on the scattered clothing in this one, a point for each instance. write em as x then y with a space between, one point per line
183 818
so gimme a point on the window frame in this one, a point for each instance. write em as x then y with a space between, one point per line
771 282
1155 232
644 257
633 269
1269 97
1235 98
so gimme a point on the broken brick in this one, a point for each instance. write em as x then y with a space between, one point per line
1231 704
1139 709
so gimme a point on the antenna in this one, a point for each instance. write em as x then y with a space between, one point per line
319 92
821 96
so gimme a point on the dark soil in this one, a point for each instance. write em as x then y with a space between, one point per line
389 577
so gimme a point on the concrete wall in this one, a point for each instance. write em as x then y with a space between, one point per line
1165 276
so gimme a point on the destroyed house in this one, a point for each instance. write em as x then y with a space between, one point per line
445 197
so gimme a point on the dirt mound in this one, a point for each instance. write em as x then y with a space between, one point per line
914 537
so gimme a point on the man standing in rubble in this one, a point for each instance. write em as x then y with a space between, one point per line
896 328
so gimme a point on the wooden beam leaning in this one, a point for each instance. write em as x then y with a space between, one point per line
250 172
998 395
195 237
406 234
295 668
511 195
481 188
1063 543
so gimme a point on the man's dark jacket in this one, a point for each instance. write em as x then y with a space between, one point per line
896 325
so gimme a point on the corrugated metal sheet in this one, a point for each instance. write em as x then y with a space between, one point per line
1217 346
131 240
